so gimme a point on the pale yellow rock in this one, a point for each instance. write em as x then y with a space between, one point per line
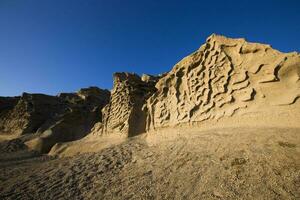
228 76
224 123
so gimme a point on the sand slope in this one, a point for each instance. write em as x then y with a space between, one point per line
232 163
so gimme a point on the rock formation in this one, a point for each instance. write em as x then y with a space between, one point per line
224 123
25 114
52 119
225 79
124 114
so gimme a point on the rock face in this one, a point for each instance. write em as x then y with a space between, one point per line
225 77
62 118
124 114
25 114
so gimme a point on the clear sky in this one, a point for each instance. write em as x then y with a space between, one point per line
52 46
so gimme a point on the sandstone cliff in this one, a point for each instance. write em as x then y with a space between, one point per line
224 123
124 114
229 81
226 81
25 114
227 77
52 119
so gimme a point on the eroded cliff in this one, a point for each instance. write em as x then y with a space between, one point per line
124 114
229 81
225 77
51 119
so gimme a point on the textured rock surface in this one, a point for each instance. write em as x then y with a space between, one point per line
224 123
225 77
73 125
66 117
27 113
124 114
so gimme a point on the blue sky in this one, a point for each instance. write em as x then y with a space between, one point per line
52 46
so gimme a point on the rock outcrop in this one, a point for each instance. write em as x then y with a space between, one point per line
52 119
25 114
124 114
225 79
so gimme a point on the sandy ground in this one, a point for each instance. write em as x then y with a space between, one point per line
240 163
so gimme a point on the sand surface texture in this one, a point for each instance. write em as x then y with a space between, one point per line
232 163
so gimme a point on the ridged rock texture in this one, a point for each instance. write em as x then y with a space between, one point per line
124 114
225 77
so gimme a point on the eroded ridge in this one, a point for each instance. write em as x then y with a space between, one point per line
124 114
223 78
46 120
223 81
